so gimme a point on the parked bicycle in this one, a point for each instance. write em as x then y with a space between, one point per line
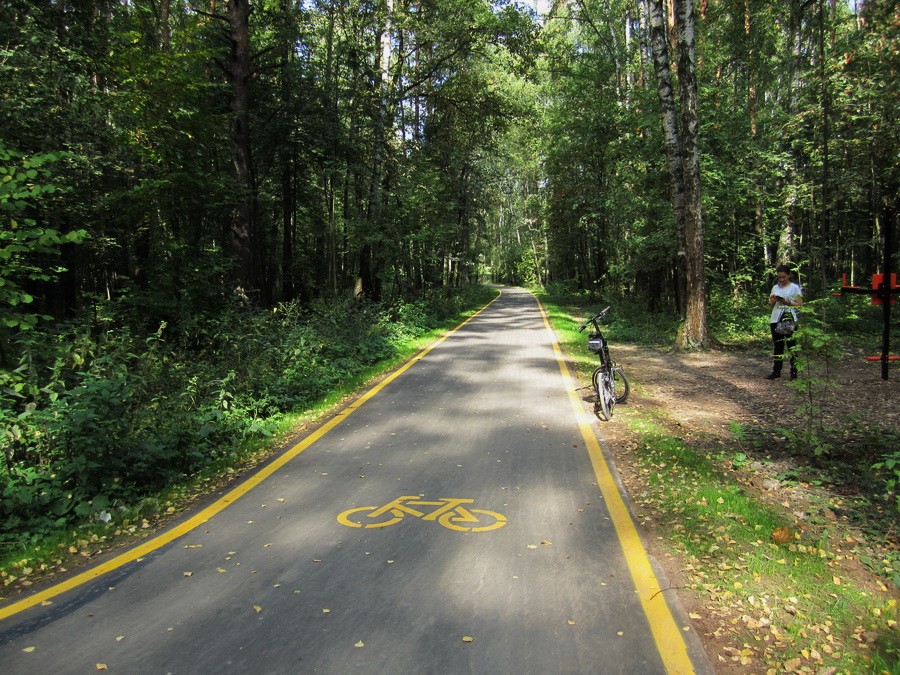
609 381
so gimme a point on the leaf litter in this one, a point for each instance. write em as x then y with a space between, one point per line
739 589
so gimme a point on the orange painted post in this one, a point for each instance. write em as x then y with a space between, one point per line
880 292
877 283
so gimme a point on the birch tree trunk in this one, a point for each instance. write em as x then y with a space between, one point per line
695 333
659 48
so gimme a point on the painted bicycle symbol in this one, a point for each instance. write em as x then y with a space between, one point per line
449 512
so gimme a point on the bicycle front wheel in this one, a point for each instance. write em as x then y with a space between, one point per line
603 387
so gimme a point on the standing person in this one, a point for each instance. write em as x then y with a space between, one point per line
785 295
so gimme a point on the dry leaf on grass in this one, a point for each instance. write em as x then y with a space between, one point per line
781 535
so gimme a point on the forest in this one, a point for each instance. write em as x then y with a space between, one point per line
213 211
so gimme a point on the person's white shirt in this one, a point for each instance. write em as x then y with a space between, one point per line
790 293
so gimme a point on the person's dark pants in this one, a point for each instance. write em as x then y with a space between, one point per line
781 342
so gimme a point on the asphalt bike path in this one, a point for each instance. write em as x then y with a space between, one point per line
458 518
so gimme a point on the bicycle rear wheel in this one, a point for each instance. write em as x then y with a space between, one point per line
621 387
595 381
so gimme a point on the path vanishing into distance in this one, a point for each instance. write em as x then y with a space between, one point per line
459 517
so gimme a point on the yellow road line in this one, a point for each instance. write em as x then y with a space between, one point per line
666 632
233 495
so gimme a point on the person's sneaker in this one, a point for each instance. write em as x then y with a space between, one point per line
773 375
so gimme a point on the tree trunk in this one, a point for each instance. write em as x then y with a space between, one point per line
287 157
695 334
825 228
659 47
759 224
242 235
369 256
288 223
332 162
165 31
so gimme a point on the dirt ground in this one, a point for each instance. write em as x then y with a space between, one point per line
697 396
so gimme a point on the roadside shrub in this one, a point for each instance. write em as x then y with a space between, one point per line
890 466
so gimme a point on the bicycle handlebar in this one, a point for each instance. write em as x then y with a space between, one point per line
594 319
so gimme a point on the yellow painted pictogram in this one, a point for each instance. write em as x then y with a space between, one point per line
449 512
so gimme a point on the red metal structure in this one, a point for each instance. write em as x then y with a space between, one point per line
882 293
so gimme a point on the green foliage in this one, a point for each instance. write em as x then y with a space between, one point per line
737 312
629 321
828 327
816 353
890 465
25 245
